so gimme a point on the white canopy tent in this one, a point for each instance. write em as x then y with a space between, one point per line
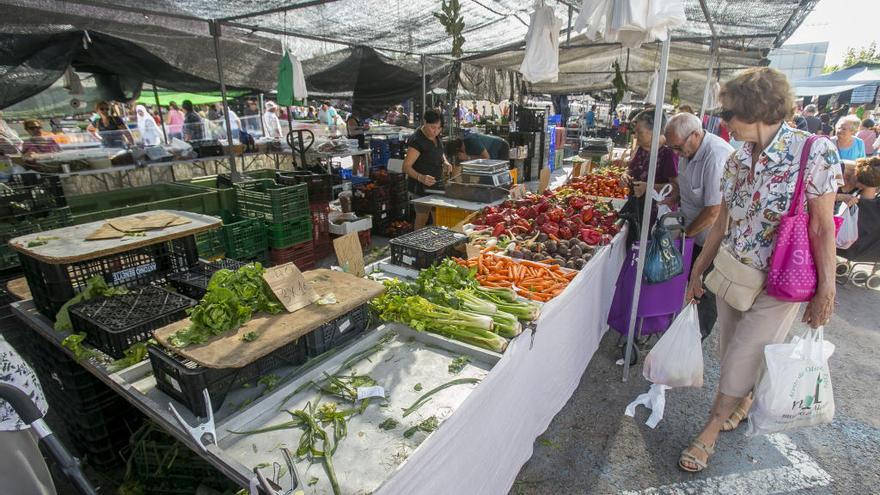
838 81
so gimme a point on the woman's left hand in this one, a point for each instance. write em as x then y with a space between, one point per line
819 309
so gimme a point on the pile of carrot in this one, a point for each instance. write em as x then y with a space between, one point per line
532 280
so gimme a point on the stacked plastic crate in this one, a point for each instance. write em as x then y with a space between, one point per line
374 199
288 220
320 195
29 203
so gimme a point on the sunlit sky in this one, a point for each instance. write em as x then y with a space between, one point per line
843 23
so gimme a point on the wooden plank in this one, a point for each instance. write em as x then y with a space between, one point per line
71 246
350 254
275 331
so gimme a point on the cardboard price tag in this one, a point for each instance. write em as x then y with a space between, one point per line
289 286
349 254
544 180
517 191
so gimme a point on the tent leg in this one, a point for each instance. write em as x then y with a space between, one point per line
215 32
262 124
424 88
646 215
708 82
159 108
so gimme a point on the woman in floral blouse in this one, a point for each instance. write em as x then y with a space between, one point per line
758 186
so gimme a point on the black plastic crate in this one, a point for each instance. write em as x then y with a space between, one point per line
337 332
66 380
28 194
53 285
424 247
194 282
184 380
320 185
113 324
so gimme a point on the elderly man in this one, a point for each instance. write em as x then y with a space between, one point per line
814 123
702 156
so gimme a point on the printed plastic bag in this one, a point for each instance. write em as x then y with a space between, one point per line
795 389
849 228
663 260
677 358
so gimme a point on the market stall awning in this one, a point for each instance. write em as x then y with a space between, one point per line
838 81
165 97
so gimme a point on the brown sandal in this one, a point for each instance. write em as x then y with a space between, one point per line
688 457
736 417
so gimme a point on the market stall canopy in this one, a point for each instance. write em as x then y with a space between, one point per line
839 81
165 97
370 79
39 39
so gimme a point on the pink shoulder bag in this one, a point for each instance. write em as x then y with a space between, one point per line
792 275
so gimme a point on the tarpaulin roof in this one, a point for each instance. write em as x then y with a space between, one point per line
838 81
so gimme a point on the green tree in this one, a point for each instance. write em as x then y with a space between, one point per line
869 54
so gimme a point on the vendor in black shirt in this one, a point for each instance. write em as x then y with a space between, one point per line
110 128
425 162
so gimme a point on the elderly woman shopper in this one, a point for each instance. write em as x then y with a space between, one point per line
758 186
667 160
849 146
149 131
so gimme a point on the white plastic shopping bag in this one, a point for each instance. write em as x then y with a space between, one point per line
795 389
677 358
849 229
655 400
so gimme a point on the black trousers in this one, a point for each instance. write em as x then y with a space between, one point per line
707 312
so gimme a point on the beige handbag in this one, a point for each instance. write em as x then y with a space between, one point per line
738 284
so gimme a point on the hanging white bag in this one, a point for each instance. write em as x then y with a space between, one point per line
795 389
849 228
676 360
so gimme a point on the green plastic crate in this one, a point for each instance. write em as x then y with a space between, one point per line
243 238
55 219
99 206
286 234
210 245
224 193
276 204
261 173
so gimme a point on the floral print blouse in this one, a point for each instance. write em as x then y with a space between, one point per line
14 371
756 203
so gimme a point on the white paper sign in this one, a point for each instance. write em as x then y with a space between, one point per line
367 392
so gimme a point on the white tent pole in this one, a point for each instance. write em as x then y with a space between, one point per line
708 81
215 33
646 215
424 88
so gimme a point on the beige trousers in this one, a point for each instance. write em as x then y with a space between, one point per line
743 335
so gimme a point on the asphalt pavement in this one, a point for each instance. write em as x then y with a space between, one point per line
592 448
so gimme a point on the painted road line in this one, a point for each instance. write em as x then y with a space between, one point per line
803 473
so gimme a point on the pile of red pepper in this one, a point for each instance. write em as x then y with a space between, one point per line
557 216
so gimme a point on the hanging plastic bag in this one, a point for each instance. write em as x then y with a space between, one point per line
630 15
654 399
795 389
677 358
659 197
848 233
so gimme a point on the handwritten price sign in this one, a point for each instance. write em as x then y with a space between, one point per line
289 286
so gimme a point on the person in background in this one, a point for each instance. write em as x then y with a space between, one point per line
860 180
193 127
271 124
149 131
174 119
590 118
327 114
667 160
702 157
10 143
825 128
814 124
251 116
848 145
685 109
615 122
868 135
234 121
475 146
355 130
23 470
311 114
38 141
391 116
110 128
425 164
402 118
757 185
154 112
213 113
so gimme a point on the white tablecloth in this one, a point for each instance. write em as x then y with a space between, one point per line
481 447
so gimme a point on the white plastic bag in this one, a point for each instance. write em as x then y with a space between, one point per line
659 196
655 400
795 389
677 358
849 229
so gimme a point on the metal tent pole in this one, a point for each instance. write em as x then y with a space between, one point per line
424 87
708 82
260 117
159 108
646 214
215 33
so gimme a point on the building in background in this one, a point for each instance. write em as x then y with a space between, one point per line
799 61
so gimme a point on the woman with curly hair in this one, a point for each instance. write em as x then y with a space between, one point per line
758 185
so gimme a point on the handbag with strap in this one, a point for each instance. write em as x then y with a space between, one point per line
738 284
792 276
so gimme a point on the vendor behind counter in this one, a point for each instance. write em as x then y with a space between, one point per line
474 146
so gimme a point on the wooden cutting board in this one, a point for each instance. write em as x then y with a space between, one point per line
275 331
